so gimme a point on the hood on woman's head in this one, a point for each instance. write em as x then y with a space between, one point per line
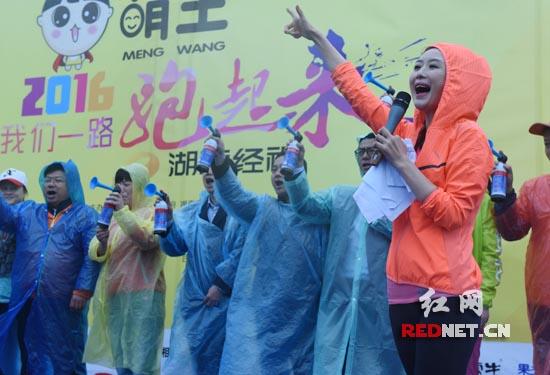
467 84
139 176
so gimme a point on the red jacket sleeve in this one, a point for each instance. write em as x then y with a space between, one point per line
514 223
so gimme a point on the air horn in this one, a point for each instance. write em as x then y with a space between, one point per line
95 183
283 123
290 163
206 123
151 189
369 78
107 212
499 181
209 148
161 209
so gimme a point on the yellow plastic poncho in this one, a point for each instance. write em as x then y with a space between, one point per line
128 304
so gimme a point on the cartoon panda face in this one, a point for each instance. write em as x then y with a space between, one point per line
72 27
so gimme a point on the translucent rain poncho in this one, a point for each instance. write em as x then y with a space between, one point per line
128 305
10 359
531 211
198 331
353 312
50 263
273 311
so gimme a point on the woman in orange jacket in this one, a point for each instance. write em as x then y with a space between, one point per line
431 249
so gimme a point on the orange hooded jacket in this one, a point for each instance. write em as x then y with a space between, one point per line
432 240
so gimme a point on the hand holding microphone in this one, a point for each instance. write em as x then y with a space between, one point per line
384 141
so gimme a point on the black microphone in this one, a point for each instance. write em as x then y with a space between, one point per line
397 111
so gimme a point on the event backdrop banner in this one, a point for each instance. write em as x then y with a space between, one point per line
107 83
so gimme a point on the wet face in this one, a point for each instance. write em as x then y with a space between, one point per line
126 190
208 181
11 192
55 188
547 142
365 154
72 28
427 80
277 179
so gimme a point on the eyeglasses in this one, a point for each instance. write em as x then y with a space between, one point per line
370 151
54 180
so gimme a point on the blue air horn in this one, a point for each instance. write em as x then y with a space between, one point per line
206 123
94 183
107 211
369 78
151 190
210 147
284 123
161 209
499 181
290 163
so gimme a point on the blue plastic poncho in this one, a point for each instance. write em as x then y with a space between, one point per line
49 265
272 313
198 331
129 302
353 312
10 359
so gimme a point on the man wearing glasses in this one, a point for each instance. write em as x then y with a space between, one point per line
353 335
53 278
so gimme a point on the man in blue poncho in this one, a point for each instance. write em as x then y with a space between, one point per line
354 335
273 311
52 277
13 187
204 231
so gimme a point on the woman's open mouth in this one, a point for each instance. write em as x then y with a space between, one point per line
421 90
